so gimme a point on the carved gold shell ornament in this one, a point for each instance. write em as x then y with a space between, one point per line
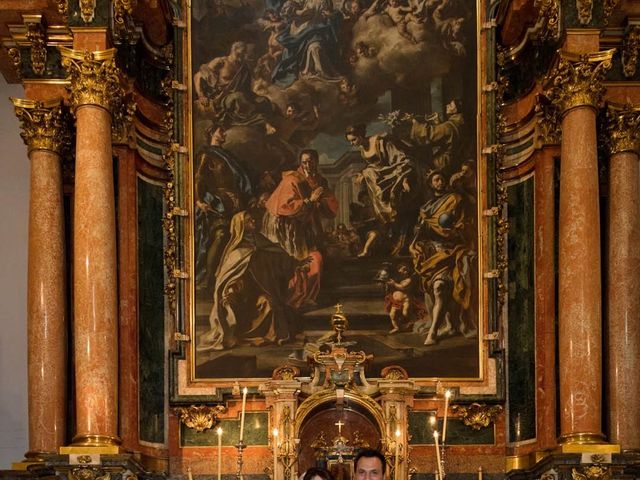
476 415
591 472
199 417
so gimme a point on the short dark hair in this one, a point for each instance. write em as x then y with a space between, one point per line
311 152
317 472
370 453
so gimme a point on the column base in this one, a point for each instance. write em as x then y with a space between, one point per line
30 458
586 442
95 444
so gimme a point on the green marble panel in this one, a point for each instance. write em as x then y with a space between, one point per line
151 334
521 313
421 431
256 432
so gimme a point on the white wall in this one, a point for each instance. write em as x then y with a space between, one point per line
14 208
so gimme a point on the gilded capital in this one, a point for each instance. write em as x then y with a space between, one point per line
622 128
95 78
577 80
45 125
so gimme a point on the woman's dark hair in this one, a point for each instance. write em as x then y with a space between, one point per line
359 130
370 453
317 472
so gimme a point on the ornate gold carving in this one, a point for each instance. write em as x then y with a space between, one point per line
45 125
477 416
37 37
339 322
94 78
591 472
199 417
87 10
16 59
121 131
89 473
123 22
549 14
286 372
585 10
394 372
630 47
577 80
622 128
547 123
84 459
608 7
63 8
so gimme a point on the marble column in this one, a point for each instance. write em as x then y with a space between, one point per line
623 277
44 130
95 93
576 88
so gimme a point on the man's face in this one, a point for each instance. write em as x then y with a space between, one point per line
219 136
251 224
437 182
239 51
309 164
369 468
451 108
291 111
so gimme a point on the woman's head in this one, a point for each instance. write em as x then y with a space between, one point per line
317 474
356 134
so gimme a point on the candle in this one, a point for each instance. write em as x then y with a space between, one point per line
435 438
244 407
397 454
189 473
447 396
275 452
436 476
219 453
479 473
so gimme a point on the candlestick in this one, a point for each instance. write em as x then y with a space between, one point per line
219 431
240 446
435 438
479 473
244 407
275 452
447 396
397 476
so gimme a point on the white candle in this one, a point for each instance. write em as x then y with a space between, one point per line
436 476
275 452
189 473
219 430
479 473
244 407
435 437
397 454
447 396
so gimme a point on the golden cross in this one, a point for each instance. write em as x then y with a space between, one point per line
339 307
339 424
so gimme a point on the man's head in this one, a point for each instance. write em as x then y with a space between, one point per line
238 50
453 106
292 110
437 182
309 161
369 464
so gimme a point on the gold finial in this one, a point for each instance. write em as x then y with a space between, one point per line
339 322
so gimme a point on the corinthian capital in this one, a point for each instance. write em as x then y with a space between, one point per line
45 125
622 128
95 78
577 80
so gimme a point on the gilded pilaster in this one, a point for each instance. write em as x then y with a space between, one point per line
45 131
575 86
630 47
95 94
623 274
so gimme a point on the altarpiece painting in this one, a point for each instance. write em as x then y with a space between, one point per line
335 160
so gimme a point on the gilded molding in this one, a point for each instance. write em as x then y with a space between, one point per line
63 8
476 415
577 80
630 47
94 76
45 125
608 7
87 10
16 59
549 13
122 123
36 35
548 125
124 28
199 417
591 472
622 128
585 11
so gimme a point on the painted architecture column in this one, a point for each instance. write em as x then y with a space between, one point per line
45 131
95 94
575 86
623 276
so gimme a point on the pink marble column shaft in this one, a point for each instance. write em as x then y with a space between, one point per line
95 282
46 312
623 300
580 328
